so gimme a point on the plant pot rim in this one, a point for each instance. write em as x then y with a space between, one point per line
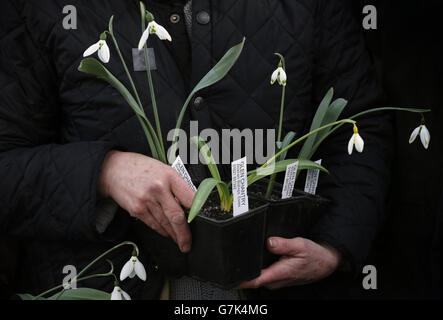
262 207
297 196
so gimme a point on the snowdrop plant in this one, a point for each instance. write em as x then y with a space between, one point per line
280 75
152 130
133 266
324 123
225 195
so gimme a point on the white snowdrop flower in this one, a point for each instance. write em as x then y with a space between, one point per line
357 141
280 76
102 47
425 136
132 268
153 28
119 294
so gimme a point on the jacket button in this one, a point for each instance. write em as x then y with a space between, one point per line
203 17
174 18
198 103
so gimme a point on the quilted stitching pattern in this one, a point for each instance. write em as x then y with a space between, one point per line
52 145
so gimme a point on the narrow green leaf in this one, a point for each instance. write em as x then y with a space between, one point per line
93 67
332 114
205 151
111 25
27 296
316 123
204 190
287 140
217 73
81 294
280 166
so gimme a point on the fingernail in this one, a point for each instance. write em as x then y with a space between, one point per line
272 243
186 248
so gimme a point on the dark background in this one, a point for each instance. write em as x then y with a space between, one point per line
408 53
407 50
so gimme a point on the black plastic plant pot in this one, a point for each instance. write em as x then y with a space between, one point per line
228 252
289 218
224 252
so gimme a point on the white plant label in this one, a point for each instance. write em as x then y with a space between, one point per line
240 186
179 166
288 184
312 179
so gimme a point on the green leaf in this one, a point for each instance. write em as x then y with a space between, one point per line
27 296
316 123
93 67
205 151
280 166
204 190
81 294
111 25
332 114
287 140
72 294
217 73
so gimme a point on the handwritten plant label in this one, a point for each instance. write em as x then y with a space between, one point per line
312 179
179 166
240 186
290 176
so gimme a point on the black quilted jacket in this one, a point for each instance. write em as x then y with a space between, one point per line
57 124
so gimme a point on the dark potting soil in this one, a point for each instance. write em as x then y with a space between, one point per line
262 195
212 207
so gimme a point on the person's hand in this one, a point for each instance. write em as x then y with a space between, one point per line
303 261
150 191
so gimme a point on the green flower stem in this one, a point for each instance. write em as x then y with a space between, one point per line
273 176
413 110
153 140
305 137
282 107
280 125
180 118
77 277
151 91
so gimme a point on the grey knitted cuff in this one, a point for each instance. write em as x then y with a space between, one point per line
105 213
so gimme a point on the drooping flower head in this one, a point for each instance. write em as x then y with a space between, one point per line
119 294
132 268
425 136
153 28
101 47
279 75
357 141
